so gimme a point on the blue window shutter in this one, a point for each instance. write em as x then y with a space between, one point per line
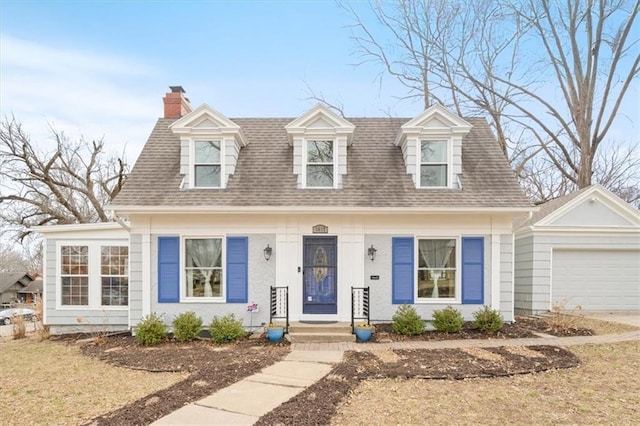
403 272
168 269
473 270
237 270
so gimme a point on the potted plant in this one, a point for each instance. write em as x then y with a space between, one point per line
363 332
275 332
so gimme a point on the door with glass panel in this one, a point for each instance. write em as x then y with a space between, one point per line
319 275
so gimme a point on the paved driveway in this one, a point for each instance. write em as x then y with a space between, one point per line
630 318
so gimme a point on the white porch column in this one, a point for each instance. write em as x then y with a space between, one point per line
495 271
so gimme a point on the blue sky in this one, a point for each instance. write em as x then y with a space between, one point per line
100 68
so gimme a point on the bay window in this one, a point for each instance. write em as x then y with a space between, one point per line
114 271
74 275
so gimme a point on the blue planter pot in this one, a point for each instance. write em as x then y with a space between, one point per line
275 334
363 334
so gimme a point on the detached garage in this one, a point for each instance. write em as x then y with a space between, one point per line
581 249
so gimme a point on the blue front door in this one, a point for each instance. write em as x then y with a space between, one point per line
319 275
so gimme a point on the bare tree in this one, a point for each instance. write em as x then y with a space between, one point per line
29 259
507 59
69 184
589 51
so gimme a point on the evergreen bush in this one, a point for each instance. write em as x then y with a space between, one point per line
151 330
407 322
448 320
187 326
226 329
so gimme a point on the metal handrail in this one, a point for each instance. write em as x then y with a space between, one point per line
279 295
362 313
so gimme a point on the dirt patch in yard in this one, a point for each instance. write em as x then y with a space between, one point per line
210 367
318 403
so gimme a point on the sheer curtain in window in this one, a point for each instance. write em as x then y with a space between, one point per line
205 255
435 254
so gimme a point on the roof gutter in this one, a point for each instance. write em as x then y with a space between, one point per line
314 210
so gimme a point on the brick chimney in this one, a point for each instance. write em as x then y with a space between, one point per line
175 103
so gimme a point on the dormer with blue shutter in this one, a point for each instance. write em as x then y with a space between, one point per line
431 146
209 147
320 139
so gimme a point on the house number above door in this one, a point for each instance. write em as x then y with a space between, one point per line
320 229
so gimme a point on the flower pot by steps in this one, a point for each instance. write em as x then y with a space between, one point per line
275 334
364 333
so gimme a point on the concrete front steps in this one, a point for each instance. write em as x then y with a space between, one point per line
320 333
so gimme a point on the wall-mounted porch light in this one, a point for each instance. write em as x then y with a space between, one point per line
268 251
371 252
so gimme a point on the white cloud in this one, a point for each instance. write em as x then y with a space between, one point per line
83 93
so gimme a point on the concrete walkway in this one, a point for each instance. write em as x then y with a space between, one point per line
244 402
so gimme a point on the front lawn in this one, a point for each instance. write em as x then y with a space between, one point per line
53 383
604 389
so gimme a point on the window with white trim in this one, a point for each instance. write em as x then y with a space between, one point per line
437 268
74 275
434 163
203 267
320 167
114 274
207 164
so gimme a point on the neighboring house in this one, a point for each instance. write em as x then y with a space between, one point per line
580 249
32 292
12 286
220 210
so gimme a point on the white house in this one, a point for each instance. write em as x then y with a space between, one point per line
219 210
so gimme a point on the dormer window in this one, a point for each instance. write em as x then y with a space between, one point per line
320 168
206 164
434 163
320 139
431 145
210 144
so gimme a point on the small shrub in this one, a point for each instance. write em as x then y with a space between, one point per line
186 326
407 322
488 320
19 327
151 330
226 329
448 320
561 319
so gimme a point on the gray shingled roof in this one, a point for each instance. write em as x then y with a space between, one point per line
376 172
7 279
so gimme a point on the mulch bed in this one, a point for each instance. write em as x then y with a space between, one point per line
318 403
384 333
563 328
212 367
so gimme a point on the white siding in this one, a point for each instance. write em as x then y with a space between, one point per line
533 263
261 277
76 319
184 158
135 278
297 159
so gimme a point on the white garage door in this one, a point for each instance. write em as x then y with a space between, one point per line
597 279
